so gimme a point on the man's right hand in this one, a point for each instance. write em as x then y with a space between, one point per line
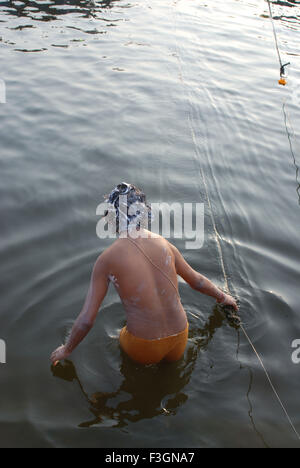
229 301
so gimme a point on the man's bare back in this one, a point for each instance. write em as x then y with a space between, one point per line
152 305
144 271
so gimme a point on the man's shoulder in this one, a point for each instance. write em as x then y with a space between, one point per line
112 252
120 244
109 251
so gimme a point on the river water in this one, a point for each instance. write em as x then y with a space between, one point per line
180 98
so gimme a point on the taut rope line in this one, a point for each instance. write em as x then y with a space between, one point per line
282 80
219 247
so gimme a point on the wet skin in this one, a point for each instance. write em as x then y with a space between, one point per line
151 300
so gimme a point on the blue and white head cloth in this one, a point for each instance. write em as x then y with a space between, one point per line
129 206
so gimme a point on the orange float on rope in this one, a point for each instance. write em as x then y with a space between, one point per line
282 81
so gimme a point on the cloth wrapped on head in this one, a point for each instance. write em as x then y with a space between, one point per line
128 205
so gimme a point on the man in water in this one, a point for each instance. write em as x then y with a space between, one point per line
143 267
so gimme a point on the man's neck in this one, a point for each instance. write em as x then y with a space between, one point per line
134 233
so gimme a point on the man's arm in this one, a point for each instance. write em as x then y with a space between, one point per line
85 321
200 282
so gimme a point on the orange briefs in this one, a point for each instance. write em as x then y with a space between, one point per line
144 351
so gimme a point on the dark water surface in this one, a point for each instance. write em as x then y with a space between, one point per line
180 98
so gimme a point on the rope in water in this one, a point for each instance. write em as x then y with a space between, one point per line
283 82
282 67
219 248
270 381
218 240
240 325
281 73
289 135
218 237
274 31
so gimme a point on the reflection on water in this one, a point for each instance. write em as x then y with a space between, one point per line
39 22
281 13
290 3
76 128
49 10
152 390
250 412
